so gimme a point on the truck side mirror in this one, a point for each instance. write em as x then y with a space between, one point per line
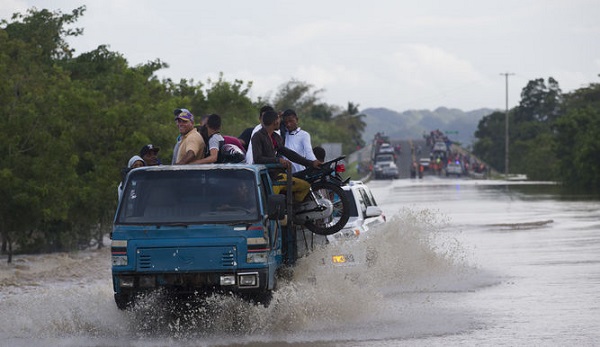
276 206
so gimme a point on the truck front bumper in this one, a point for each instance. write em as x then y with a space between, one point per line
242 281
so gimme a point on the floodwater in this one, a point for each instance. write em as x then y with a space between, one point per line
460 262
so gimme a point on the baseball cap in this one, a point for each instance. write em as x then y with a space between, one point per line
133 160
183 113
147 148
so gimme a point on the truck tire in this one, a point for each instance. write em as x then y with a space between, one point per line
124 301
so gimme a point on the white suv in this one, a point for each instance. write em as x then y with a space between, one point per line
364 214
385 166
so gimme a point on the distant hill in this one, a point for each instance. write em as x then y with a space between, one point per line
458 125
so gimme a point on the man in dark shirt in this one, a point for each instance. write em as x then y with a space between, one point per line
268 148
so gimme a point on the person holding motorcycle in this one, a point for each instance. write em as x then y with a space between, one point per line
296 139
268 148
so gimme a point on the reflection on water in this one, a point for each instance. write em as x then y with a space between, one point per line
544 191
549 287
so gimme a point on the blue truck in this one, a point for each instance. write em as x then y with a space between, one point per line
193 230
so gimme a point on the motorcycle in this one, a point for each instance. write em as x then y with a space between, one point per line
326 209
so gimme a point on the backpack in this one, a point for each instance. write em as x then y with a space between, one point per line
229 153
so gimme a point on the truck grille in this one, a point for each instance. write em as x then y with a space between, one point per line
228 259
186 259
145 262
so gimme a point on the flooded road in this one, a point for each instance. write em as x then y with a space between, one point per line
459 262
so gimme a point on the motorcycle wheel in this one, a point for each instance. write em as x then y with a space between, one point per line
341 209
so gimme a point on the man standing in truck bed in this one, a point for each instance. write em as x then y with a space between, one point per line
267 148
190 145
297 139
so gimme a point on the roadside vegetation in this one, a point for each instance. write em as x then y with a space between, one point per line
69 123
552 136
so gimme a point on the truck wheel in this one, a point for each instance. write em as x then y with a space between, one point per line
341 209
264 298
124 301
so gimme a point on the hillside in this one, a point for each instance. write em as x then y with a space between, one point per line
459 125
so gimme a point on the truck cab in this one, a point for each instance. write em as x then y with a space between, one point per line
199 229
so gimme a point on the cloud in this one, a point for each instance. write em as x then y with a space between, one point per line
423 61
397 54
8 7
423 74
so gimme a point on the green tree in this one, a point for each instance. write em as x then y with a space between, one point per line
37 175
490 142
352 122
530 132
301 97
577 132
326 123
531 136
230 100
45 30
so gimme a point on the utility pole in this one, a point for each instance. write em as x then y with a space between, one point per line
506 74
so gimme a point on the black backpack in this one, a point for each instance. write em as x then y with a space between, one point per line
228 153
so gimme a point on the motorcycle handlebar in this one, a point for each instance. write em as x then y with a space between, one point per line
327 163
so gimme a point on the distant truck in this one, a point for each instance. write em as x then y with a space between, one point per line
198 229
440 146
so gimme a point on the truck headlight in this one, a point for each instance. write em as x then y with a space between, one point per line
256 257
119 260
227 280
119 252
249 279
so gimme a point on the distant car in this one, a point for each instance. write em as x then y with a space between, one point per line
385 166
364 215
424 162
386 148
454 168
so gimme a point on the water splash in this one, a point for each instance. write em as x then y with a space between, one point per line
415 254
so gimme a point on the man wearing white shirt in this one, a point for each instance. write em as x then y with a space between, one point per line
297 139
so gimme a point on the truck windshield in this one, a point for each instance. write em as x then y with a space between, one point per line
189 196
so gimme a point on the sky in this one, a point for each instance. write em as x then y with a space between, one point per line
395 54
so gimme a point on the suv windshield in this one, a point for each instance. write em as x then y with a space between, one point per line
384 158
189 196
